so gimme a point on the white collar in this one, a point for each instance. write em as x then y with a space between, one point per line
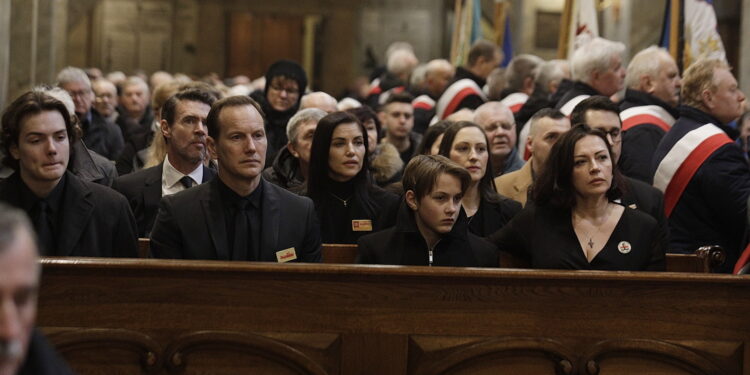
171 176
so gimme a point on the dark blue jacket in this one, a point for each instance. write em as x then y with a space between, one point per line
713 208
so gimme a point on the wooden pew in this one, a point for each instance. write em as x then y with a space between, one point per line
147 316
704 260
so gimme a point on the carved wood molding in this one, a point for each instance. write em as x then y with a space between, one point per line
555 351
144 346
678 356
178 352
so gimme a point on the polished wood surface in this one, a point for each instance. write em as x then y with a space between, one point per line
134 316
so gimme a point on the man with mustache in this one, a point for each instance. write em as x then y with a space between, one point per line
649 109
23 350
183 126
238 215
500 126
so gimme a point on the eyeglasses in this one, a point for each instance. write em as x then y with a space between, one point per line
615 135
288 90
79 94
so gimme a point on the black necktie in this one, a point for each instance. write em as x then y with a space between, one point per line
44 229
241 232
187 182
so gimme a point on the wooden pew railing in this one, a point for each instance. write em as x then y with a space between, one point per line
146 316
704 260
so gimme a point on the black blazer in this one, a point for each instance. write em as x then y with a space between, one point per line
97 221
644 197
191 225
404 245
143 191
42 359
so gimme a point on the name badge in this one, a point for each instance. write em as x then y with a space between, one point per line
286 255
624 247
362 225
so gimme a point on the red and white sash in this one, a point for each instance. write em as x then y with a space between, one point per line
515 101
646 114
682 162
423 102
568 108
454 94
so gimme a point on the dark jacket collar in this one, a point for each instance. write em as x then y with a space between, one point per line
405 223
462 73
702 117
638 98
580 88
287 169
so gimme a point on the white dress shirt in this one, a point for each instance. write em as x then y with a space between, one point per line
170 178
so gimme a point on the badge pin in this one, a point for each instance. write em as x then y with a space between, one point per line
624 247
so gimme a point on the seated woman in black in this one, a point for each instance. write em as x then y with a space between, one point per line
431 226
574 223
465 143
347 203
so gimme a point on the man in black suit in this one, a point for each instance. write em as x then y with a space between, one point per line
239 215
99 135
599 112
183 126
72 217
23 350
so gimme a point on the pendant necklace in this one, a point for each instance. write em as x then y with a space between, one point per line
596 229
344 201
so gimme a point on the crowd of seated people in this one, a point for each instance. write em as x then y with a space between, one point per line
589 163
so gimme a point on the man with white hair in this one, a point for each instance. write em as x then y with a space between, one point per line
99 135
23 350
319 100
289 169
704 175
438 73
399 67
466 89
547 78
597 69
648 111
546 126
500 127
519 78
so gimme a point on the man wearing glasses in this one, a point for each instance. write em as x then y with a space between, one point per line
99 135
599 112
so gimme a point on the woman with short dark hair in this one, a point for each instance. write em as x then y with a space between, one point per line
574 221
347 203
431 229
466 143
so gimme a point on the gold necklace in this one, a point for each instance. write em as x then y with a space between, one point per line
596 228
344 201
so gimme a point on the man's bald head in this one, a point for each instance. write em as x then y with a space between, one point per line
319 100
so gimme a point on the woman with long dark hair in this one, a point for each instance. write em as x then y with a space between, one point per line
574 221
465 143
347 203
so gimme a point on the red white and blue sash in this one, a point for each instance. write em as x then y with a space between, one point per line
454 94
568 107
682 161
423 102
646 114
515 101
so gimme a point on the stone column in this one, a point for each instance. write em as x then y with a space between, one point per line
744 64
4 50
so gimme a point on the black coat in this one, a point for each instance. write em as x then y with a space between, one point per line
403 244
285 172
143 192
102 136
191 225
640 142
644 197
42 359
97 221
579 88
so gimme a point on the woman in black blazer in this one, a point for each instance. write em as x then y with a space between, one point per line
465 143
574 223
431 229
347 203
